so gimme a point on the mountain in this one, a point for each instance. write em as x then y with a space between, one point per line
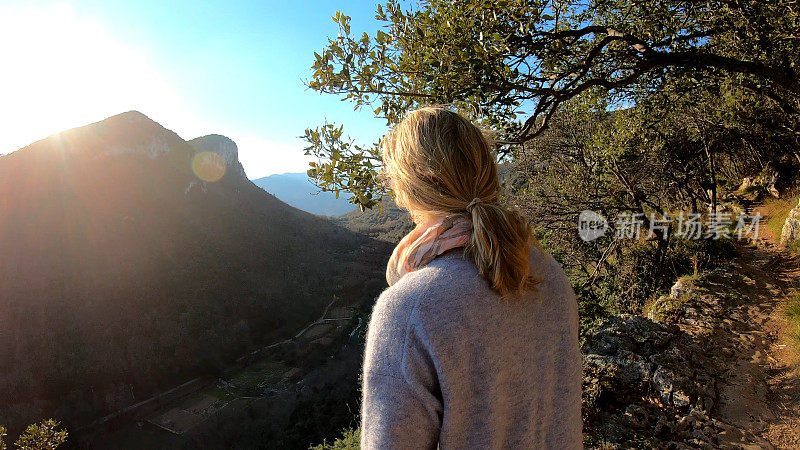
386 222
296 190
134 260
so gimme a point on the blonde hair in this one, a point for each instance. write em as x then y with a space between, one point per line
439 165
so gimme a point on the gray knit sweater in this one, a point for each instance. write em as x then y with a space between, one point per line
448 362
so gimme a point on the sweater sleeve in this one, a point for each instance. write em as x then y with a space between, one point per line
401 404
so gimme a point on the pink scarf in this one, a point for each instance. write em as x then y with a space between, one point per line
426 242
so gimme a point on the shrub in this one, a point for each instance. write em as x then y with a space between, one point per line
350 440
633 278
40 436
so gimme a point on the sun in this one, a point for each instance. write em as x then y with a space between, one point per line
62 71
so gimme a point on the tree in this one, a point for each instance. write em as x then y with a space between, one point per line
617 106
512 64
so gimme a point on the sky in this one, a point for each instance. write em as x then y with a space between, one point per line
234 68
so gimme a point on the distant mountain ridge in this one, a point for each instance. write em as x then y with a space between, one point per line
297 190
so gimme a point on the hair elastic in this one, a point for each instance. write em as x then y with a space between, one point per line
472 204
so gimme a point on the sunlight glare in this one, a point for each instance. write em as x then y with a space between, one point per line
64 71
208 166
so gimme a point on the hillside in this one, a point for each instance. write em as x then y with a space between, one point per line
125 272
296 190
386 222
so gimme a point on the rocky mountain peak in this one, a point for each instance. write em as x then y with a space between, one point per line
222 146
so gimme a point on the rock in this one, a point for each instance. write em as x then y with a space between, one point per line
663 384
682 288
641 380
791 228
771 178
222 146
681 399
768 178
773 191
747 182
637 415
734 207
665 427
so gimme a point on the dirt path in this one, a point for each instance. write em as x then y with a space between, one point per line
740 320
781 270
740 317
737 317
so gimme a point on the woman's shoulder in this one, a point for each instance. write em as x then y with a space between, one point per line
450 286
397 314
452 275
546 269
443 277
437 285
554 289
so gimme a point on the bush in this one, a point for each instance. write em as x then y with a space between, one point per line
633 277
350 440
690 256
41 436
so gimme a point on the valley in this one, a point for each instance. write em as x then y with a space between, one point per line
272 375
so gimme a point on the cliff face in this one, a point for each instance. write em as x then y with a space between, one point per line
222 146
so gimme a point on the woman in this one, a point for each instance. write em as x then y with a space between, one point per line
475 343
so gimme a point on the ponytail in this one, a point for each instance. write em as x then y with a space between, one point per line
499 247
436 161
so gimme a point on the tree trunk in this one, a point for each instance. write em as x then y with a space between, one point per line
661 248
713 173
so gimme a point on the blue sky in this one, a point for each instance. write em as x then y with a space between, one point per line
233 68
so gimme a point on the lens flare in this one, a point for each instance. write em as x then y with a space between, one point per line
208 166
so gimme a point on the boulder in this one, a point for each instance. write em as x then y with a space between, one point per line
683 287
643 383
791 228
747 182
768 178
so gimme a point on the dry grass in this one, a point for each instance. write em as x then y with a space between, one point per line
792 311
